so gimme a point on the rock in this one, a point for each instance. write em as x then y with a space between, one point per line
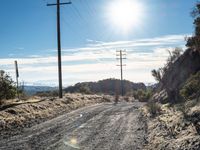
161 97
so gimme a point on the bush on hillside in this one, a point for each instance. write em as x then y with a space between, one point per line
154 108
173 56
47 94
84 89
194 41
143 95
191 88
157 74
7 88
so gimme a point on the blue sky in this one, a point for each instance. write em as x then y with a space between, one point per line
89 39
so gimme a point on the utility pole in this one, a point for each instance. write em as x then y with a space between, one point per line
17 76
120 56
59 44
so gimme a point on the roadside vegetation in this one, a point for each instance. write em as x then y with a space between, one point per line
7 87
175 104
142 95
47 94
173 56
191 88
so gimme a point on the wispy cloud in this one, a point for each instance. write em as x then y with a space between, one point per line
97 60
162 41
19 48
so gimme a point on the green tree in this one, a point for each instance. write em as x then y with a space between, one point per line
194 41
157 74
191 87
84 89
142 95
7 88
173 56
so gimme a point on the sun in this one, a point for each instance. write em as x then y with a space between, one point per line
125 14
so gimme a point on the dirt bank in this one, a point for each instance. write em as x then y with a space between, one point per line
174 129
15 118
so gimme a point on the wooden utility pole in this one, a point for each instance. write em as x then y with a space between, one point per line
121 55
17 76
59 45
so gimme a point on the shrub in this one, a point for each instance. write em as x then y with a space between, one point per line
194 41
153 108
191 88
47 94
183 109
173 56
7 88
84 89
143 95
157 74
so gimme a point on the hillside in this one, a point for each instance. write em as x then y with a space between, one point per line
176 124
31 90
107 86
178 70
176 76
174 110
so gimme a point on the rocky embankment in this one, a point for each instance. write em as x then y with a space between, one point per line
175 128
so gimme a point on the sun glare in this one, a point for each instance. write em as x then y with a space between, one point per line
125 14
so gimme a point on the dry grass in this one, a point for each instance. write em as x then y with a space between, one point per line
171 130
30 112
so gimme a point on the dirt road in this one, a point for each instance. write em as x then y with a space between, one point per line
98 127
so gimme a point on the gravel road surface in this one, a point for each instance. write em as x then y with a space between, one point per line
98 127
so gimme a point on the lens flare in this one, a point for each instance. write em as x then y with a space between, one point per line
72 142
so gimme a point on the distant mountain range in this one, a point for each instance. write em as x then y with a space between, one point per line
31 90
107 86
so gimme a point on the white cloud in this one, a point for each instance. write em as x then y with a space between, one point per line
165 40
97 61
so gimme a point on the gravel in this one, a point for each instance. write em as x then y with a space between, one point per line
100 127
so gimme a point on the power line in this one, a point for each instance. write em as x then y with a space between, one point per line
92 15
84 3
79 15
